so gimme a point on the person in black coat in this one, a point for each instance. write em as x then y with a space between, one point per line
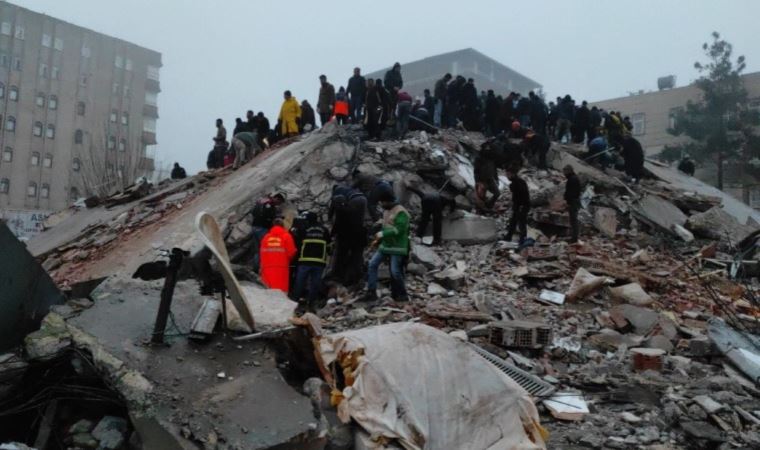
581 123
239 126
687 166
178 172
356 88
573 200
433 205
492 114
633 154
520 205
537 146
538 113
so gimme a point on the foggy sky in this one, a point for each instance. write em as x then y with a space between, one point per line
222 58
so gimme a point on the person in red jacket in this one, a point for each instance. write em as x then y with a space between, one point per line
277 249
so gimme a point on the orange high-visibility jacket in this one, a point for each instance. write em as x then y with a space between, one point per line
341 107
277 249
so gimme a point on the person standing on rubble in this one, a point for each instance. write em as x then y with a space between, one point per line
221 133
433 204
375 108
290 115
341 106
263 129
347 209
565 114
439 92
520 205
687 166
239 126
573 200
538 113
393 83
178 172
308 119
277 250
326 100
581 123
633 154
394 247
263 214
381 189
537 146
312 259
486 177
404 110
357 91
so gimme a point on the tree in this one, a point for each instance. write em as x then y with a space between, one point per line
720 123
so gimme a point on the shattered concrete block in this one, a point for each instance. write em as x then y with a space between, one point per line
682 232
605 220
708 404
584 283
110 431
470 229
82 426
51 338
436 289
631 293
451 278
84 440
135 388
426 256
660 342
642 319
716 223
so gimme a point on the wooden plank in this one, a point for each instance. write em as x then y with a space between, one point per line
206 319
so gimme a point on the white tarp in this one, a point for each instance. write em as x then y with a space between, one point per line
425 389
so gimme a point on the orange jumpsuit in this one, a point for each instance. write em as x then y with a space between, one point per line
277 249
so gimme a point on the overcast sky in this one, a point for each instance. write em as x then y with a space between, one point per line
224 57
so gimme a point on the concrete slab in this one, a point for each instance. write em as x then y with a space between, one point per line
470 229
252 406
659 212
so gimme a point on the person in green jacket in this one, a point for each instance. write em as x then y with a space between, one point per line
394 247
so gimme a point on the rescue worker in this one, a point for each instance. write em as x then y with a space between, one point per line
439 92
341 106
357 91
687 166
221 132
308 120
347 209
381 189
403 111
393 83
573 200
312 259
394 248
277 250
486 177
433 205
263 214
633 154
178 172
246 145
290 115
326 100
598 152
520 205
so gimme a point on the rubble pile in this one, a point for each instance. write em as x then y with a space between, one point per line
624 326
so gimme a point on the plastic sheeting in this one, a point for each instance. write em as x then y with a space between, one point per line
419 387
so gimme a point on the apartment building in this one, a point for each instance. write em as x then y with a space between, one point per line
78 112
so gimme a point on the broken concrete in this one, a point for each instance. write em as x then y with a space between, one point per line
470 229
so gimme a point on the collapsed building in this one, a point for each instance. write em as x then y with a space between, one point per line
643 335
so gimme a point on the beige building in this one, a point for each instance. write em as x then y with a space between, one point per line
78 111
652 113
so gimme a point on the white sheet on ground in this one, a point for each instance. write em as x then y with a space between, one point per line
429 390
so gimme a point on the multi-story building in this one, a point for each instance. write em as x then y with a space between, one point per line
469 63
653 113
78 113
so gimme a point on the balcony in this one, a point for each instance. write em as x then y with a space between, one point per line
146 164
149 138
152 85
150 111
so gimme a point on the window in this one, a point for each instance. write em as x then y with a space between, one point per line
40 100
149 124
638 124
50 131
19 32
10 123
128 64
17 63
43 71
55 72
125 118
5 186
53 102
5 28
78 137
754 104
119 62
115 88
74 194
83 80
114 116
58 44
122 145
45 190
37 129
8 154
13 94
76 165
47 161
153 73
2 90
47 40
5 60
35 161
127 91
151 98
111 142
86 51
81 108
31 190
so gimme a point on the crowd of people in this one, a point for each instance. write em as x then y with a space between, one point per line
302 257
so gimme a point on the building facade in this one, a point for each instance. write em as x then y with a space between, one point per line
78 111
653 113
469 63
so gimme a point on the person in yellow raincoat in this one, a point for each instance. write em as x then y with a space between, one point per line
290 114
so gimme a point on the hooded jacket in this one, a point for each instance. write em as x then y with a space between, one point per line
395 240
290 113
